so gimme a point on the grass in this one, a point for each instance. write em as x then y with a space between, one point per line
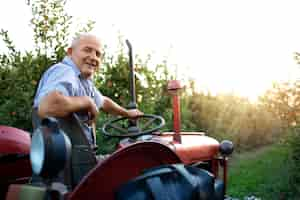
262 173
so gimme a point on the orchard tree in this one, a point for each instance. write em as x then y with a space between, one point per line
51 24
20 72
283 99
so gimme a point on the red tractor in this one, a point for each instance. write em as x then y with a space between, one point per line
57 162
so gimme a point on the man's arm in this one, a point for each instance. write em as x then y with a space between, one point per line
112 107
56 104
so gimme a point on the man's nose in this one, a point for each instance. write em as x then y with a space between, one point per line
95 58
94 55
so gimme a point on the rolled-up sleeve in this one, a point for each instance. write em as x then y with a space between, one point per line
99 99
61 79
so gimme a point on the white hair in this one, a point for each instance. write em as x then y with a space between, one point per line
76 40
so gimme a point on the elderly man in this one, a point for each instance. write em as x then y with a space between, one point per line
67 87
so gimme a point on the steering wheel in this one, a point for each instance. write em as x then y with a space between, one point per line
124 127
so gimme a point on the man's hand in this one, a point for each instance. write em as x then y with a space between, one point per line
134 113
112 107
92 110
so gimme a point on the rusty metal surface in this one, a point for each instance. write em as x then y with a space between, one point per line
14 152
193 147
176 119
13 140
14 157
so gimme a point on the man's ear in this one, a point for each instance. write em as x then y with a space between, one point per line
69 51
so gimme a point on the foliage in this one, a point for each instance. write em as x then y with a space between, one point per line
113 81
150 85
230 117
222 116
50 25
284 101
20 72
18 83
294 167
297 57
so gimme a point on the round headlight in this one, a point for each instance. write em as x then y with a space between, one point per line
50 149
37 152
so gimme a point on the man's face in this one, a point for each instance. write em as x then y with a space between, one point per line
86 54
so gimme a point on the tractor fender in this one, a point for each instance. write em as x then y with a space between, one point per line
121 166
14 157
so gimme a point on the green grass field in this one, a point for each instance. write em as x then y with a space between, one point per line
262 173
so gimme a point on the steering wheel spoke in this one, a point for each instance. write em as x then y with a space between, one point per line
145 124
148 123
122 130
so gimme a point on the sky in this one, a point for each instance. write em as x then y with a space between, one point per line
238 46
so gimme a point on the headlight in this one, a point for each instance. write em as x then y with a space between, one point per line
50 149
37 152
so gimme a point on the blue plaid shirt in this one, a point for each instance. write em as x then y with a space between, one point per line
66 78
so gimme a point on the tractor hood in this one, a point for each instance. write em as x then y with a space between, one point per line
194 146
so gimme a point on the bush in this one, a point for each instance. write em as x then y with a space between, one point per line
20 72
294 143
248 125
